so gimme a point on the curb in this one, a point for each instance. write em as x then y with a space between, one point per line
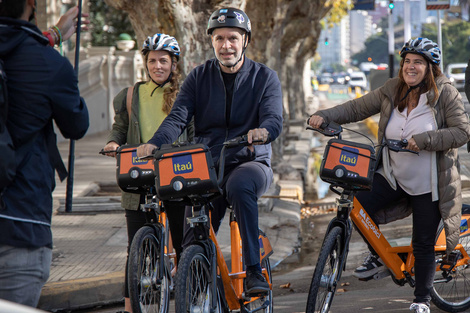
82 293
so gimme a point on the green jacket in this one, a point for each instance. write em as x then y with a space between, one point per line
124 131
453 132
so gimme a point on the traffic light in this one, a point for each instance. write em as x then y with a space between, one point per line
391 5
326 41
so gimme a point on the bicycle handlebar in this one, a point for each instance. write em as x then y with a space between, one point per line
398 145
232 143
332 129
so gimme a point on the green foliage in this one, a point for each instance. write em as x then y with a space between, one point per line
376 47
455 40
338 9
107 23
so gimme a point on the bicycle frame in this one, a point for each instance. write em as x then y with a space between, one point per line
233 280
401 269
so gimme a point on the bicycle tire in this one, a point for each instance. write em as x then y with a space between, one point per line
147 295
194 282
327 273
262 304
454 295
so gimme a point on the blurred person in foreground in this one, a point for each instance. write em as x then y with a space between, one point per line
42 87
422 106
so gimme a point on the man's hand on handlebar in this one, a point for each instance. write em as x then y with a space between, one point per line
145 150
111 146
257 136
315 121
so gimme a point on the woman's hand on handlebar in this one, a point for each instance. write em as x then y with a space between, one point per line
257 136
111 146
412 145
315 121
145 150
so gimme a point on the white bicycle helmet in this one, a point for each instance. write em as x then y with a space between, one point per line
423 46
163 42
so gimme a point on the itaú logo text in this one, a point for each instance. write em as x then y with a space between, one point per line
369 224
136 160
348 156
182 164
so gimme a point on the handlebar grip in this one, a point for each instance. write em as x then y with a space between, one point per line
104 152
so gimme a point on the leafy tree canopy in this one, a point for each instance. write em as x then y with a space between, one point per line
107 24
455 40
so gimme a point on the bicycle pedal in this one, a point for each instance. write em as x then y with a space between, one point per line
377 276
250 295
382 274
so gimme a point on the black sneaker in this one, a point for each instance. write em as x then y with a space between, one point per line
255 283
371 266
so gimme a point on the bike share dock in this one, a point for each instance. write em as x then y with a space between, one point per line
90 242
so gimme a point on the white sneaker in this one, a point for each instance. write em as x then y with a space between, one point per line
420 308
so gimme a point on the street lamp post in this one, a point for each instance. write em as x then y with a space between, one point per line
391 40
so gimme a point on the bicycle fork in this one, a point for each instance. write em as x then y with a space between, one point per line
152 211
199 223
344 205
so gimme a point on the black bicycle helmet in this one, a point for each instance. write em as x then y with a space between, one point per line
229 17
163 42
423 46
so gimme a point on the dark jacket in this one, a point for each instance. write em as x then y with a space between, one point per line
256 103
42 87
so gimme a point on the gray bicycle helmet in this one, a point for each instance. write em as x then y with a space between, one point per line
423 46
229 17
163 42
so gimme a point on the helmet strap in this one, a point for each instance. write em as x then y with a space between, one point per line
162 84
411 88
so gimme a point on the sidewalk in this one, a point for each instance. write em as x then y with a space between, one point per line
90 241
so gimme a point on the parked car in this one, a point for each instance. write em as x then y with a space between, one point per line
358 79
456 74
326 78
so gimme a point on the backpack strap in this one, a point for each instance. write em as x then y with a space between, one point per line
130 92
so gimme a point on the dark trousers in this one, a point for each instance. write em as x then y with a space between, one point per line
426 218
242 188
136 219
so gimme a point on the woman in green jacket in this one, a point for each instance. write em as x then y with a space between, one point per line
419 105
136 123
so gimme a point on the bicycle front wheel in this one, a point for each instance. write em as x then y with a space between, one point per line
148 293
327 272
263 304
452 293
193 291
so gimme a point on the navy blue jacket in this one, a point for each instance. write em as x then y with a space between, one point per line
42 87
256 103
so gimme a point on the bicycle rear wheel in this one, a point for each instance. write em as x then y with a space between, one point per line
148 293
452 294
193 291
262 304
326 274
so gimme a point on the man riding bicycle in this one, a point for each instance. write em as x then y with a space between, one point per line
230 96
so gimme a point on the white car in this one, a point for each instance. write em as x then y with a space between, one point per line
358 79
456 74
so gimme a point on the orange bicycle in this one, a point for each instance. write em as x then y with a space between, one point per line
151 256
203 281
349 167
